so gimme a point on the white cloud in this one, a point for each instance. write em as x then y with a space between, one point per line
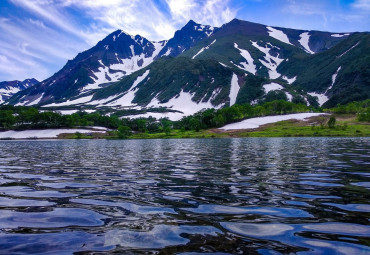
210 12
33 50
45 9
37 23
363 5
136 17
39 43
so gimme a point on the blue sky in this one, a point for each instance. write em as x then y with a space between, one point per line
39 36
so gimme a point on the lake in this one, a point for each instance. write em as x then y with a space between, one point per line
189 196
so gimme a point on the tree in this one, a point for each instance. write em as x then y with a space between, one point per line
7 119
123 132
331 122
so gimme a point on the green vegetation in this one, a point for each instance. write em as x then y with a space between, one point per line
212 118
347 120
315 72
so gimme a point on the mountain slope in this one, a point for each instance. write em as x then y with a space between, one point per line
179 85
116 56
276 54
205 67
260 49
338 75
10 88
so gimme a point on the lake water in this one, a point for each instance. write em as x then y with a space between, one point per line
190 196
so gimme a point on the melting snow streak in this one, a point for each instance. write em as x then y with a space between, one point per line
269 61
278 34
248 66
201 50
305 38
234 89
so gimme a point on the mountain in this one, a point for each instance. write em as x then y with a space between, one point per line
10 88
116 56
206 67
186 38
326 65
338 76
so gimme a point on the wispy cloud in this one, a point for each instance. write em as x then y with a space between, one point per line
213 12
43 34
39 42
363 5
307 8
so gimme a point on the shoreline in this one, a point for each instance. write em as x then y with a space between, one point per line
346 126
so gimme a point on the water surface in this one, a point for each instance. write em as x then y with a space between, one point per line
190 196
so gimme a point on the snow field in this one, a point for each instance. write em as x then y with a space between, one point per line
46 133
256 122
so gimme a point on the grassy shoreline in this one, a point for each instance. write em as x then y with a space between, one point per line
346 126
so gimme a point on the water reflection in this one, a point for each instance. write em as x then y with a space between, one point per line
219 196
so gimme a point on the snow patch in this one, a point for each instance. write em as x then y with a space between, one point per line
67 112
224 65
248 66
8 92
36 101
158 47
168 52
203 49
102 101
101 78
339 35
270 62
46 133
124 67
132 50
291 80
271 87
183 103
126 99
256 122
278 34
234 89
305 38
289 96
174 116
322 99
333 78
80 100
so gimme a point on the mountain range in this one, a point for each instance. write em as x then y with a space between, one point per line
207 67
10 88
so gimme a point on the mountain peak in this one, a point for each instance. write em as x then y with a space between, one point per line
191 23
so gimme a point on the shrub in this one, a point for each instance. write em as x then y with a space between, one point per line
331 122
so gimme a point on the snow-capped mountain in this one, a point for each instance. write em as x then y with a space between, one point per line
326 65
186 38
10 88
116 56
206 67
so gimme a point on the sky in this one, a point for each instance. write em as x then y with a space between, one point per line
39 36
